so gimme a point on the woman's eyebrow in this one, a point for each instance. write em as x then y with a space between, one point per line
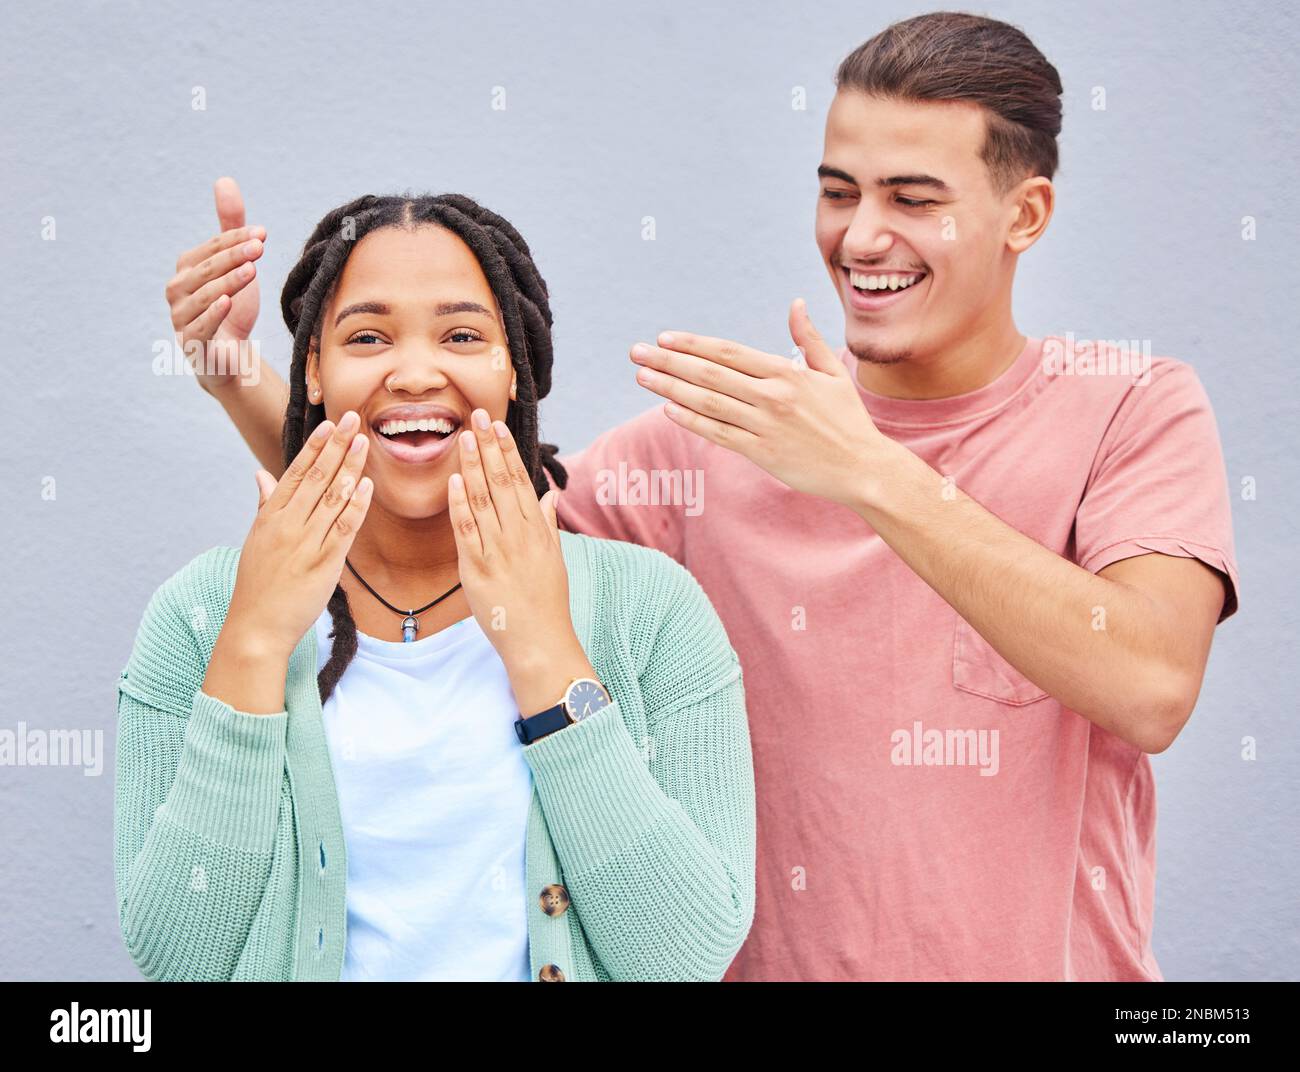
441 309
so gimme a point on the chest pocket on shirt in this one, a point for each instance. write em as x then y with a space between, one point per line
978 669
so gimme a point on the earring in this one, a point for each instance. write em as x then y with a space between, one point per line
512 388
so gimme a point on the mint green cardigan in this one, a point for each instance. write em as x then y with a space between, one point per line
230 861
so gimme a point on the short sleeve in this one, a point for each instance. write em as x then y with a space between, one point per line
621 486
1159 483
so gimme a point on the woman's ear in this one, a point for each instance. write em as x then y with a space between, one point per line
313 377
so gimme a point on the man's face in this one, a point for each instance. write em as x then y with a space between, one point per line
943 224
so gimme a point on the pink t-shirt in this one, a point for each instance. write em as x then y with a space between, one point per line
924 810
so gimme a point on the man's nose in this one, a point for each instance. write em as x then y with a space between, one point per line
868 235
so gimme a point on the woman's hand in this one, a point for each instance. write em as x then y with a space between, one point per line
305 525
512 566
214 295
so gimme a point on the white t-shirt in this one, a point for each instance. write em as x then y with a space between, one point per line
434 793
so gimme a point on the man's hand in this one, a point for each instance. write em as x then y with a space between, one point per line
244 307
802 420
214 296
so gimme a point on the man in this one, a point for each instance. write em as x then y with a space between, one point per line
972 576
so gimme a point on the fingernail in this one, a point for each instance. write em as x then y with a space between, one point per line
251 247
456 481
468 441
358 443
350 420
665 338
322 430
502 431
640 350
481 418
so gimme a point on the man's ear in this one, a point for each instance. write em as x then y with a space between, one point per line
1033 203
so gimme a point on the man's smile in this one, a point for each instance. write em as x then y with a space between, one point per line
876 289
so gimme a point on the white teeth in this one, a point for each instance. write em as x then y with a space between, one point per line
428 424
884 282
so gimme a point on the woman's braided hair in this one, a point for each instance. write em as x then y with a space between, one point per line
520 293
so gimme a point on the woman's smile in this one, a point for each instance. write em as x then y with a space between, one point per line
415 434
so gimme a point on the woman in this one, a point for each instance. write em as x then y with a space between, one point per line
411 730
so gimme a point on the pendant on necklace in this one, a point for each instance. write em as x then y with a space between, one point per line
409 626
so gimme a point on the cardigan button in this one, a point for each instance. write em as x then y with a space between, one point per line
554 899
551 973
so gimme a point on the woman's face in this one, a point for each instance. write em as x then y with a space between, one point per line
412 334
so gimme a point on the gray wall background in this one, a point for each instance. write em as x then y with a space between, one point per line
654 109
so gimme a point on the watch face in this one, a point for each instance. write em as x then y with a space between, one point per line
585 698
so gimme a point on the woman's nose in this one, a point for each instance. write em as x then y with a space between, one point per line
416 372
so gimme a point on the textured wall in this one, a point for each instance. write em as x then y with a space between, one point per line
681 115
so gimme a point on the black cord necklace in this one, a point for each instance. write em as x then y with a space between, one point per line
409 623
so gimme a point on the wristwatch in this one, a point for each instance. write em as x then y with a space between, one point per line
582 699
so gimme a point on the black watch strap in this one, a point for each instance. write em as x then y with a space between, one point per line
537 726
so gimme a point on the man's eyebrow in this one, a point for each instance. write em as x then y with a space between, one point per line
827 172
916 180
441 309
